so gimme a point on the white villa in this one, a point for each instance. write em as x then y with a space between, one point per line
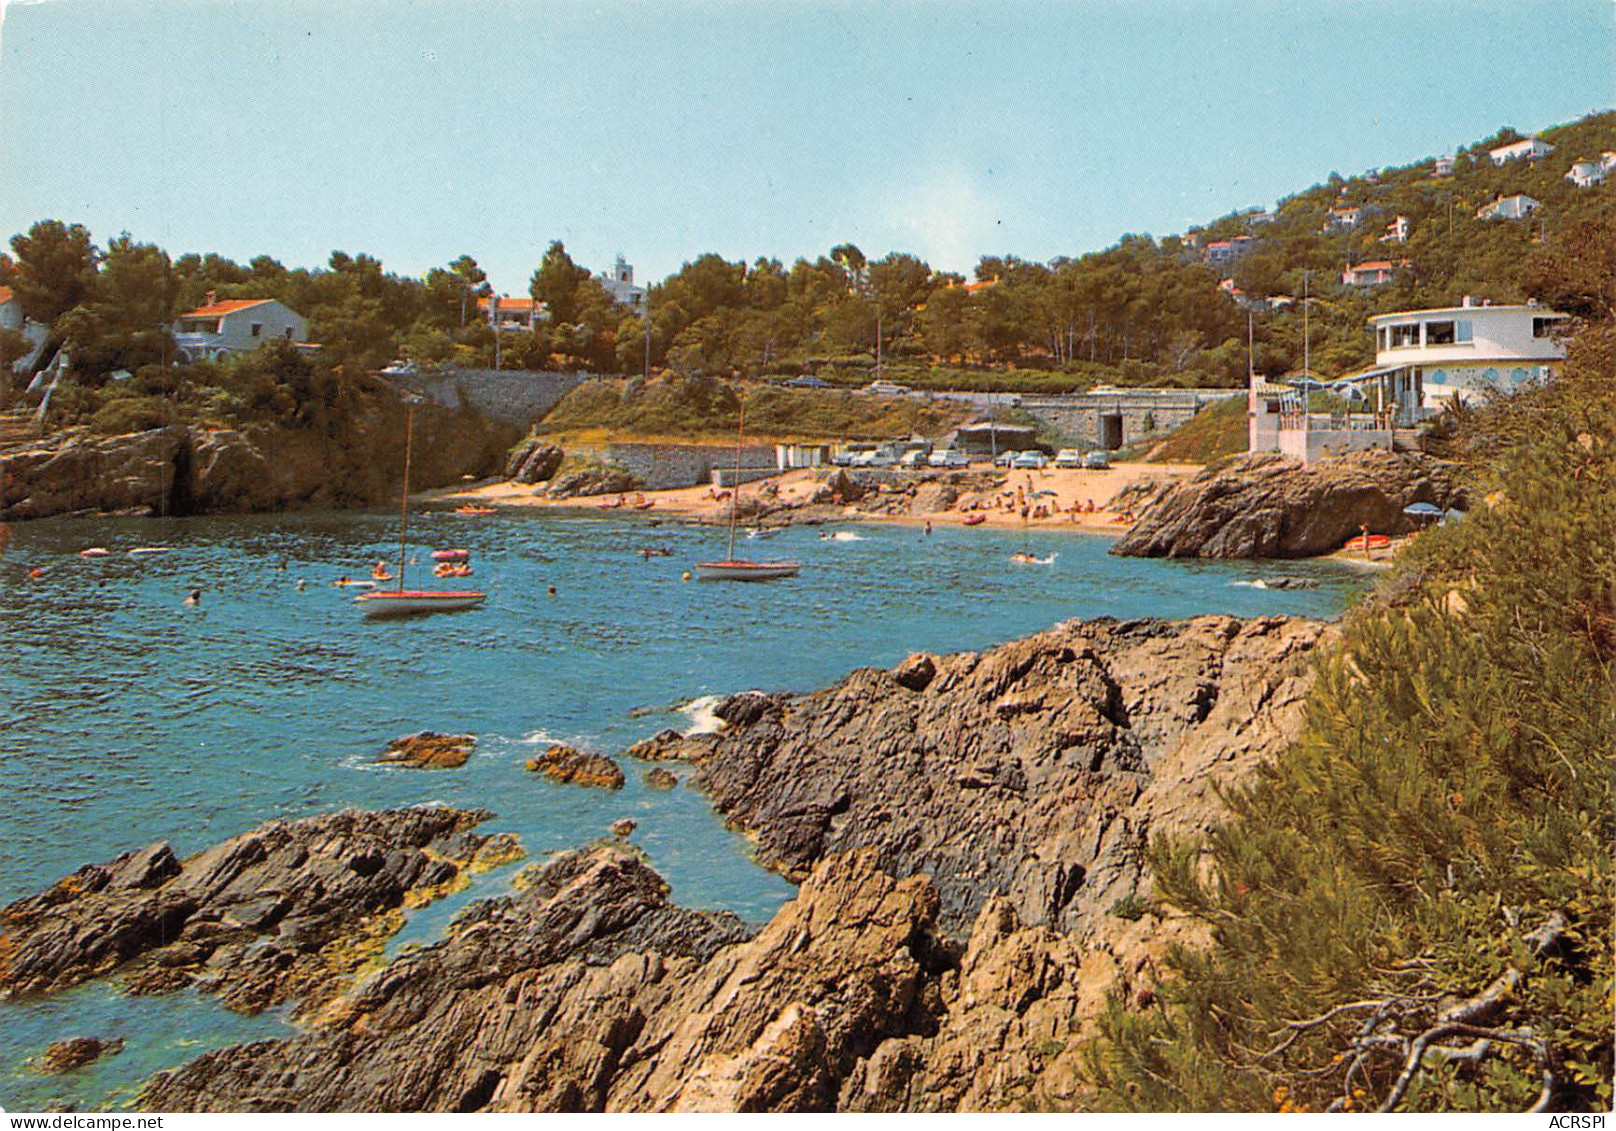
1586 174
1343 219
1443 167
221 327
1462 350
1530 149
1516 207
1423 358
1396 231
620 285
1229 250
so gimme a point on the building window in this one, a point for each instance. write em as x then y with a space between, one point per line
288 333
1380 338
1439 333
257 329
1543 327
1406 336
1464 331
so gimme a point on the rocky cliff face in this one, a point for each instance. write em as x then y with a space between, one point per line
968 833
191 469
1268 506
1034 771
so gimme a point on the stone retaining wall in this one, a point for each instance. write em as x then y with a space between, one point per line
512 396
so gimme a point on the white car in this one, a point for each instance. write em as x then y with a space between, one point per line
912 459
1068 457
873 459
1097 461
950 458
1005 459
1030 461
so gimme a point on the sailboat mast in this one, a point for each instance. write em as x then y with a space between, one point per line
404 507
735 490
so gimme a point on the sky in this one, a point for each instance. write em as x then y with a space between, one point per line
418 131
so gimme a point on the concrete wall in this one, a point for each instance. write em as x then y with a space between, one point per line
514 396
1315 444
1081 415
664 467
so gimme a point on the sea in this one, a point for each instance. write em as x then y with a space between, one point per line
128 716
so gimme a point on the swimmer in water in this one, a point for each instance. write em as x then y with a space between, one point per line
552 590
300 585
195 598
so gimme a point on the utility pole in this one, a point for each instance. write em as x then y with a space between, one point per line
1307 359
493 317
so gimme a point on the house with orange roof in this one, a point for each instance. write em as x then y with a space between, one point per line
10 310
513 313
1373 273
234 325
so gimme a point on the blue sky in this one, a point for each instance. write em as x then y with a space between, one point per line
418 131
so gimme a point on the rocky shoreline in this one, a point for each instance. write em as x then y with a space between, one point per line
968 831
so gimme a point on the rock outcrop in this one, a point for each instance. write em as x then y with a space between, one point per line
196 469
75 1052
1035 771
564 764
429 750
282 912
594 478
1269 506
533 461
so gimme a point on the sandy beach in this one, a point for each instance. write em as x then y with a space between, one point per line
1058 489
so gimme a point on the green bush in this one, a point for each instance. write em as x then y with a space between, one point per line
131 414
1439 838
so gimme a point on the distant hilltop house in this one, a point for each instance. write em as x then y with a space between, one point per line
1259 218
505 312
619 283
980 285
1227 251
1466 349
1423 359
1443 167
1343 219
1516 207
35 333
1586 174
1373 273
235 325
1527 149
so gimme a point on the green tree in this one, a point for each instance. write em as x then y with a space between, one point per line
55 268
556 282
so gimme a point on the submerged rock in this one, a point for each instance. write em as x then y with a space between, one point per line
624 826
658 778
429 750
75 1052
564 764
1268 506
283 912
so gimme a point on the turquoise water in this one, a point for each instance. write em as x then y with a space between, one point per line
127 717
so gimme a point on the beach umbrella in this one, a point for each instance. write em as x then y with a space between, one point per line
1422 510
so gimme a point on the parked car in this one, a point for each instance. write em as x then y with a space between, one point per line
1096 461
1068 457
1005 459
878 458
950 458
1030 461
913 458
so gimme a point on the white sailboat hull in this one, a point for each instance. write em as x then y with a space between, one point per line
745 571
400 603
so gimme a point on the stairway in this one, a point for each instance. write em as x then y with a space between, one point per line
17 426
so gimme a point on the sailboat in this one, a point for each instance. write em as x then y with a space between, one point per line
402 602
732 569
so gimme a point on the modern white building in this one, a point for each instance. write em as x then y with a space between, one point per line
1396 231
1527 149
226 326
1443 167
619 283
1229 250
1343 219
1586 174
1463 350
1516 207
